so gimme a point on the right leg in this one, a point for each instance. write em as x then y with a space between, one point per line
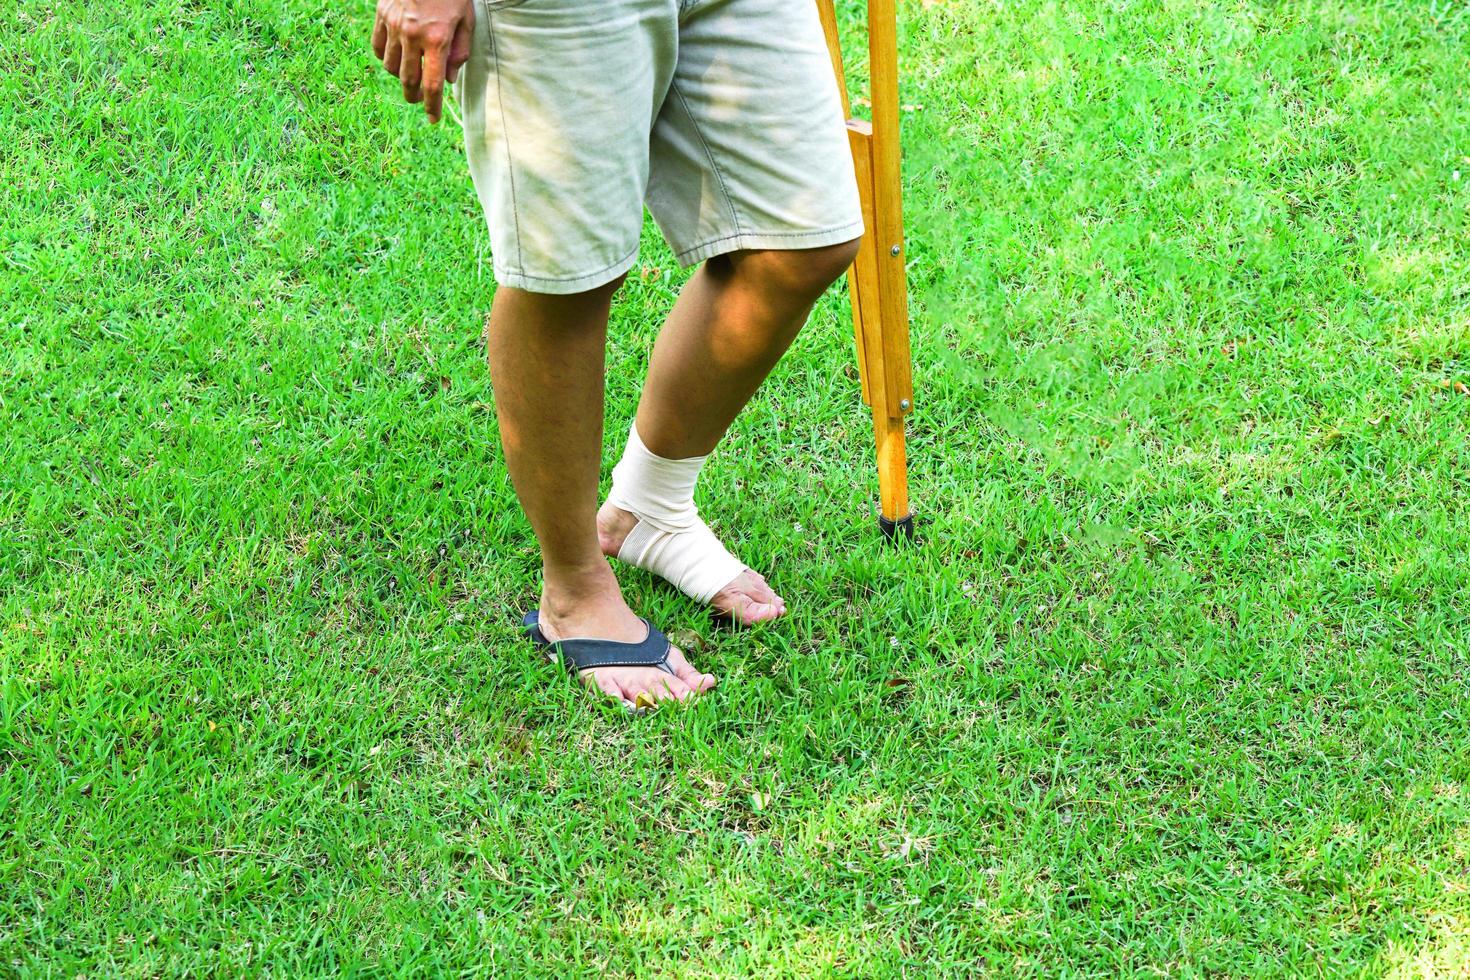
546 355
733 320
558 101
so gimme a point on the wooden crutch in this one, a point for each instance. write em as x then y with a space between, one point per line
876 282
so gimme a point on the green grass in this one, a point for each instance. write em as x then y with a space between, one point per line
1175 685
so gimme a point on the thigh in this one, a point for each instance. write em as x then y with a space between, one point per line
750 148
558 99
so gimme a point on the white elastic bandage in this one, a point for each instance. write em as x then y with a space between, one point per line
669 539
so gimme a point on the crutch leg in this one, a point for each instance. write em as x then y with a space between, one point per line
877 282
893 312
884 390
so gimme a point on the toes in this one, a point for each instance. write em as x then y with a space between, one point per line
759 589
672 688
747 611
652 686
608 686
754 586
647 687
695 679
657 689
749 599
764 612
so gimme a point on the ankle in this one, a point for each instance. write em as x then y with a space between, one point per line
613 525
567 588
654 488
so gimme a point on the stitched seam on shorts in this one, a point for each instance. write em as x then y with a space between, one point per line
510 167
584 275
708 154
771 234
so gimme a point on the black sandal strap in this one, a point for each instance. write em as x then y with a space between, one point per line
584 653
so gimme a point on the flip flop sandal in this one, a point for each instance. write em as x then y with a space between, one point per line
584 653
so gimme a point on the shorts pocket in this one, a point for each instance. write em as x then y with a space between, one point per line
498 4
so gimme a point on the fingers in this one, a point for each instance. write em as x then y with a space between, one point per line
393 53
432 85
410 71
424 47
459 46
380 36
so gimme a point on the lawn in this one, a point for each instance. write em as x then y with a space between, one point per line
1174 684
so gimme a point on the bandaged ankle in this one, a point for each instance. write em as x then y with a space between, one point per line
669 539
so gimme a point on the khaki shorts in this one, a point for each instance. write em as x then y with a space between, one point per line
722 116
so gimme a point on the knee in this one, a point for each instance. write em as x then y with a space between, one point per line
519 316
836 259
805 272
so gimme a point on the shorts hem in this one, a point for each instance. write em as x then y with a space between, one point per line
769 240
562 285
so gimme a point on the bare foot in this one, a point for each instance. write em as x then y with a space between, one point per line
748 599
603 614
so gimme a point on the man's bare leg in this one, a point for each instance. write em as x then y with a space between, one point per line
732 322
547 360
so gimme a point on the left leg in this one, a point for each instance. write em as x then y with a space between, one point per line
750 172
733 320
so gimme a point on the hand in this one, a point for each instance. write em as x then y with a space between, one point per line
423 42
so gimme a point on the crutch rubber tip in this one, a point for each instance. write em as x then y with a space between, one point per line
899 530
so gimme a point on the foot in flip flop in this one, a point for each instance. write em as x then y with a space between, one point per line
738 592
605 646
